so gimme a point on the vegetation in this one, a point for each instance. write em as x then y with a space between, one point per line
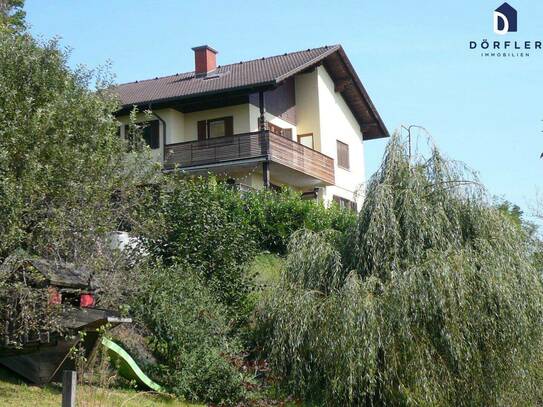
277 215
189 335
200 289
516 215
433 300
66 179
12 15
201 233
430 296
15 392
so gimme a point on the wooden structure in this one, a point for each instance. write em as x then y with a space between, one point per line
264 146
44 355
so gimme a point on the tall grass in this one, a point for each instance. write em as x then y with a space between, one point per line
433 300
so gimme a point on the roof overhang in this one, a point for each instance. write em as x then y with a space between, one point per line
199 98
350 86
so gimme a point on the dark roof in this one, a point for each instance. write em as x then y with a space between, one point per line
234 76
257 74
63 274
56 273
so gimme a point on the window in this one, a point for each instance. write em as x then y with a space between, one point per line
151 136
342 155
150 133
306 140
215 128
345 203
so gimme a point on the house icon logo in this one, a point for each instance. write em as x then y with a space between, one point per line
505 19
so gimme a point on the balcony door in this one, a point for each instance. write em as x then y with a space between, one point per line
215 128
217 143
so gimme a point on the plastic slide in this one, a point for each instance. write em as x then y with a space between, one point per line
127 367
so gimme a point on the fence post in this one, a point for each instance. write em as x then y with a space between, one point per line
69 381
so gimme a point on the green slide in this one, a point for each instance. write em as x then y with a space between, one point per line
127 366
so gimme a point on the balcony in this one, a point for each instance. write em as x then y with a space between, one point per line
252 147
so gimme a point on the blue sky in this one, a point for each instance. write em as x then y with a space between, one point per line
412 56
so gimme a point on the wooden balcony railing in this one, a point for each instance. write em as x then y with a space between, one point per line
256 145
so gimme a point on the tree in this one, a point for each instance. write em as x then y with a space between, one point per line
433 300
12 15
515 215
66 179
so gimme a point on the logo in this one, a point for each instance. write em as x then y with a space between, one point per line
505 19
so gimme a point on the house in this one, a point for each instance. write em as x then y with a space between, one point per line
298 119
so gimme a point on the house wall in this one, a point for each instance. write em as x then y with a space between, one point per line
280 102
255 114
307 106
175 124
182 127
338 123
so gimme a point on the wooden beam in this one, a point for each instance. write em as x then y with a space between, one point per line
341 84
368 126
262 120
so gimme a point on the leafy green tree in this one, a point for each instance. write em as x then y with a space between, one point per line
12 15
64 170
203 233
189 334
66 180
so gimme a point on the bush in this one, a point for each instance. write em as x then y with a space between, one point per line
203 234
215 230
277 215
434 299
189 336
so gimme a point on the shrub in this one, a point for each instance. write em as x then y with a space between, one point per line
434 300
215 230
277 215
189 336
202 234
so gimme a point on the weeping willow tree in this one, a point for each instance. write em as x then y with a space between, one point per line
432 300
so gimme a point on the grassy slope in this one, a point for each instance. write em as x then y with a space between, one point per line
14 392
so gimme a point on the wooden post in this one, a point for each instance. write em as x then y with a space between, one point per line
264 141
69 381
262 120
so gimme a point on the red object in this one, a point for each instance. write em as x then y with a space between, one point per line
55 298
86 300
205 59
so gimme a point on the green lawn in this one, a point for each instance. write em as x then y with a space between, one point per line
14 392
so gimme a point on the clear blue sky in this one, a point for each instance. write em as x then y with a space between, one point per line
412 56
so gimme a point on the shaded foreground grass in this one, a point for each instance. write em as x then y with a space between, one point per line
15 392
267 269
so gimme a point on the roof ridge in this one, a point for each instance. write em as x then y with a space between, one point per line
334 46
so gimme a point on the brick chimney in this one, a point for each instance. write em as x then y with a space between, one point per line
205 59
